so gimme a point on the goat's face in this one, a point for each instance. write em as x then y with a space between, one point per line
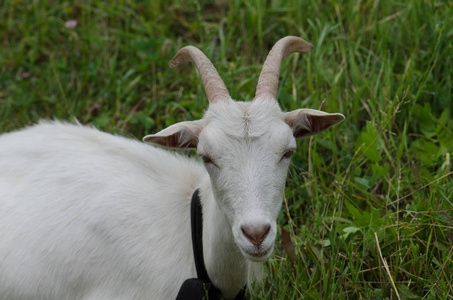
246 146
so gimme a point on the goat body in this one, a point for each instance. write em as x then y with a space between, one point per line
88 215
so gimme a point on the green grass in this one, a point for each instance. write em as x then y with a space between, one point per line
376 190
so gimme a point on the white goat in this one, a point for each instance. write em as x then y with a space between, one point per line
88 215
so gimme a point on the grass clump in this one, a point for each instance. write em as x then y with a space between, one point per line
368 204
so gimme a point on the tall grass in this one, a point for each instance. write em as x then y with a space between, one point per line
368 205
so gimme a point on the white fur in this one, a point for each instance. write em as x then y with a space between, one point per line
88 215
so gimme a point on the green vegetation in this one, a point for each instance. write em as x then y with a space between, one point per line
369 203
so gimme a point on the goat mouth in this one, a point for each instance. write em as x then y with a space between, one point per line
260 255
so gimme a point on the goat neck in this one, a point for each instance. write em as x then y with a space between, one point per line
226 266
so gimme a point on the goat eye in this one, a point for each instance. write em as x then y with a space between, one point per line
206 159
288 154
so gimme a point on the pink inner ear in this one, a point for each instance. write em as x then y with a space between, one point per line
177 140
182 135
309 122
172 141
321 123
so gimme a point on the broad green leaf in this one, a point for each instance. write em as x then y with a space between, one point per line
368 143
379 171
362 183
425 151
425 120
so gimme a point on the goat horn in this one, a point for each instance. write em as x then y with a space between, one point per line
268 80
213 85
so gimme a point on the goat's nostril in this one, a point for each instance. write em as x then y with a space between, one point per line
256 234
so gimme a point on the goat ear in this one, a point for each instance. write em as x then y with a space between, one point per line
306 121
183 135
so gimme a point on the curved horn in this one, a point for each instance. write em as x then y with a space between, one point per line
213 85
268 80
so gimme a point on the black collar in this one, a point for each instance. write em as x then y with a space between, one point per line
196 222
198 288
